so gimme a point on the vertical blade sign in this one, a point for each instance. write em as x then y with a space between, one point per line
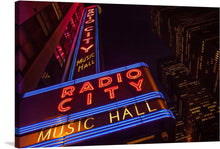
87 59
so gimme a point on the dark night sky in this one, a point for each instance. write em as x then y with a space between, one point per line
126 38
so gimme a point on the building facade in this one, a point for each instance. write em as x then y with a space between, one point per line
196 108
46 33
191 76
62 96
192 34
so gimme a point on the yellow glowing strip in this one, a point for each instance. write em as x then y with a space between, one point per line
42 24
55 9
141 140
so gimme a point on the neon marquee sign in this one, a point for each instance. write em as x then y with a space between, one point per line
82 94
103 82
98 122
103 100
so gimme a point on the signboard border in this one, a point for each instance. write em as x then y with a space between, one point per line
89 112
106 129
83 79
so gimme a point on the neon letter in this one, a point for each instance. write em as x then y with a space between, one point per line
87 49
61 132
88 34
89 21
80 68
136 109
86 87
68 133
138 85
68 91
87 39
79 126
82 60
126 112
89 15
88 29
111 117
111 91
148 107
89 98
64 109
119 77
85 126
101 81
129 76
47 136
91 10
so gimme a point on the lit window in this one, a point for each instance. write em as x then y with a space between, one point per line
42 24
57 10
60 55
67 34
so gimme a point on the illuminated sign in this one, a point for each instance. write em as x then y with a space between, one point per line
95 125
89 107
86 57
85 93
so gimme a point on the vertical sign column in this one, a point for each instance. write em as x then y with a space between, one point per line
86 57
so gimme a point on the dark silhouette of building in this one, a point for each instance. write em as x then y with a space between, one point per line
192 33
191 78
45 34
198 109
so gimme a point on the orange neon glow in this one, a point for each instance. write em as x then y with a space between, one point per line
87 86
90 12
89 15
67 91
60 134
137 85
89 98
89 21
101 81
64 109
87 39
88 34
88 29
129 76
87 49
119 77
111 91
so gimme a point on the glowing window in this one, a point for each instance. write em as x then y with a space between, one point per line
60 55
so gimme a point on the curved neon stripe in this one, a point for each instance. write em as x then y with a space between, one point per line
89 112
107 129
77 48
97 42
83 79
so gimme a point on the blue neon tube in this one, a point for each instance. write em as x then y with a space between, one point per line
110 128
77 48
88 112
96 110
83 79
97 42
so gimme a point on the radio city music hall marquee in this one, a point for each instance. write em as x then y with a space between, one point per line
89 107
94 106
